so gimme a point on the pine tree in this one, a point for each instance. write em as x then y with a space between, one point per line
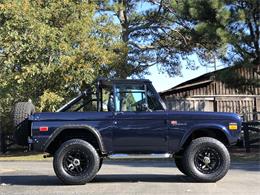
225 30
145 28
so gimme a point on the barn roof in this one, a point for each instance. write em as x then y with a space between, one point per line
195 82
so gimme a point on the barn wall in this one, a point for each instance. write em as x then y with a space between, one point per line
190 104
257 108
246 73
243 105
240 105
217 96
217 87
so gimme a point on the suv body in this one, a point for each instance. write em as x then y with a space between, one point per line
128 119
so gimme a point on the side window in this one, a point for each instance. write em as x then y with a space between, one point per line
152 100
130 98
87 103
107 99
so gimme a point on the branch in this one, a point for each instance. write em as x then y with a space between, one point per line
145 26
141 68
256 19
252 33
142 47
184 39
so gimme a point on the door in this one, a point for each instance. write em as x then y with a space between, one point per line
140 122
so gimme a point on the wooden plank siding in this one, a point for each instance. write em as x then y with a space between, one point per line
241 105
219 88
205 93
245 106
190 104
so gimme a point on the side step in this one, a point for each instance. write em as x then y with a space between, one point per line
140 156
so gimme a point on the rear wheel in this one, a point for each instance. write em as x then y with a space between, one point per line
21 112
206 159
76 162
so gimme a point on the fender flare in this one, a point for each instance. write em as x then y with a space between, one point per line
57 131
200 127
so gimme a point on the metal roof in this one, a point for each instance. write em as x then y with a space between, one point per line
107 81
200 80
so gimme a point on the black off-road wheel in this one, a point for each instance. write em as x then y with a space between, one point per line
21 112
76 162
206 159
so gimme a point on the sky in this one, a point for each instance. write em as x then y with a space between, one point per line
163 82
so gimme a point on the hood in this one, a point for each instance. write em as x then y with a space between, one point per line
204 115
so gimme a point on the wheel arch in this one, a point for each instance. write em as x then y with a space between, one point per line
85 132
218 132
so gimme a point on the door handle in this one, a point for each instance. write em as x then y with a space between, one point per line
119 113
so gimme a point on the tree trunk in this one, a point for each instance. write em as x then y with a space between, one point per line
123 18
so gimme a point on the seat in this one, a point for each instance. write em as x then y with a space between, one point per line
110 104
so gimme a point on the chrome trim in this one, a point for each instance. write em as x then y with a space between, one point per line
139 156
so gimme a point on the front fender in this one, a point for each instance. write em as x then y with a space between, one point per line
83 127
206 126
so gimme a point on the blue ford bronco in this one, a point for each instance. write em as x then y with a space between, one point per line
126 119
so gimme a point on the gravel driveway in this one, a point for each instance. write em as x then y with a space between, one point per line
126 177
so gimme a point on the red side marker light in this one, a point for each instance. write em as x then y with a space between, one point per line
44 128
174 122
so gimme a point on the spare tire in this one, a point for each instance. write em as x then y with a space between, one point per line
21 112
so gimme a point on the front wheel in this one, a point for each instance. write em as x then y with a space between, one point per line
100 163
206 159
76 162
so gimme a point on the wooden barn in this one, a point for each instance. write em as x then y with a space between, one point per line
240 93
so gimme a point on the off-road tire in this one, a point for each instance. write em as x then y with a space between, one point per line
180 164
192 155
21 126
100 163
82 147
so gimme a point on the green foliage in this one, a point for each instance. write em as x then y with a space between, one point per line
50 49
222 30
145 31
219 31
50 101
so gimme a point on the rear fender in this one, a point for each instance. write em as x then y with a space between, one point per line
82 127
